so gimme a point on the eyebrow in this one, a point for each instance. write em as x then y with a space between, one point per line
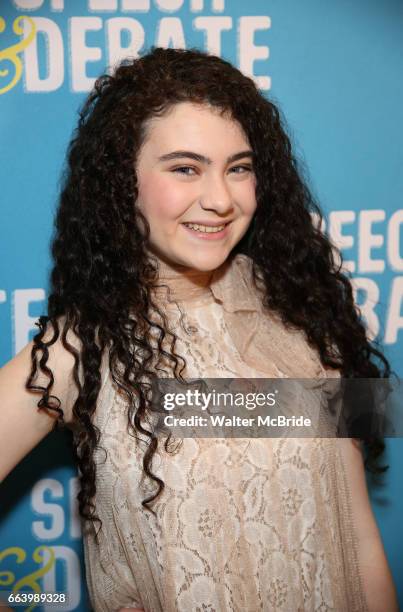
203 158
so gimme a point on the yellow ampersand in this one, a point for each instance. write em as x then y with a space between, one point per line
7 578
11 53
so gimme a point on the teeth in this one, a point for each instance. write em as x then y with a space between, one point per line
205 228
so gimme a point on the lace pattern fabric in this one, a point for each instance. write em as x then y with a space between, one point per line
242 524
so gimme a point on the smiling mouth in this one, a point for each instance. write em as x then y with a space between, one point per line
207 229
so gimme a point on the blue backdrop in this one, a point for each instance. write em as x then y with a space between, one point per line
335 68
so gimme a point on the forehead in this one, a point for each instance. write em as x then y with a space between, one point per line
190 123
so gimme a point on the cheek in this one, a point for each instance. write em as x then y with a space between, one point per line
161 198
247 198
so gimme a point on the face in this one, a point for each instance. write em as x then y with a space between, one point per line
195 167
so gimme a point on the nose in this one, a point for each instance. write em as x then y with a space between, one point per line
216 194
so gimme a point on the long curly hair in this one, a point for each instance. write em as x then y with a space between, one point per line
101 280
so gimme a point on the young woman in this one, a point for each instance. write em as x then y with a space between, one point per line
185 247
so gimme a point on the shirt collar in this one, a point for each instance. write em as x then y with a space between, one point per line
232 284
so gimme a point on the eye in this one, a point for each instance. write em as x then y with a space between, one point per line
183 170
243 168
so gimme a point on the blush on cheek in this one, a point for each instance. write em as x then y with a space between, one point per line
162 193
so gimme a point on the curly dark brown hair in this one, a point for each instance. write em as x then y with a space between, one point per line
101 277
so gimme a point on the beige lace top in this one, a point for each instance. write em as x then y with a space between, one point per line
243 524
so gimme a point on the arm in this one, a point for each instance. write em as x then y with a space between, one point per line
22 424
376 576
